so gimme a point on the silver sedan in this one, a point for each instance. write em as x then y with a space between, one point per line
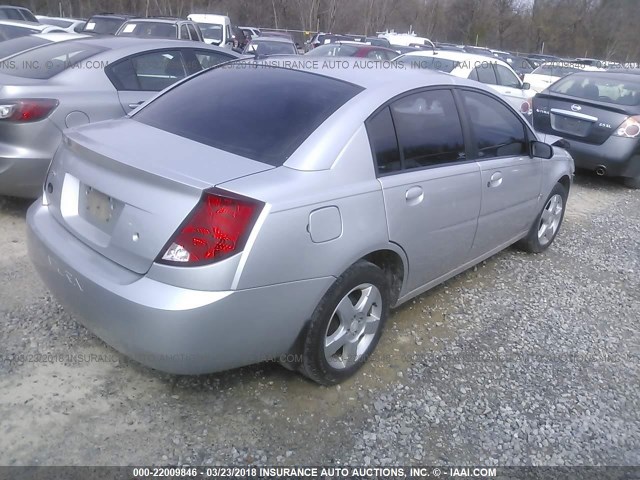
194 247
67 84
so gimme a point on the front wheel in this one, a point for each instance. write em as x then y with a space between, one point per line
346 325
544 230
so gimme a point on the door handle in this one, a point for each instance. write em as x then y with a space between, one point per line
414 195
136 105
495 180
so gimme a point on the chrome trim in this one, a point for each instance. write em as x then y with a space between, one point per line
580 116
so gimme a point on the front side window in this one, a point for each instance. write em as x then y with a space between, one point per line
184 33
498 131
428 129
506 77
193 32
148 72
485 73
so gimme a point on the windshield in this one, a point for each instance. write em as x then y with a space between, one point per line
20 44
103 25
333 50
211 31
276 117
429 63
49 60
264 47
608 90
148 29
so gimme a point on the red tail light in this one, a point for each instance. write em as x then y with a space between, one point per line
526 107
27 110
217 228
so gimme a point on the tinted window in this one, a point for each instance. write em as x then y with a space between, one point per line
211 31
485 73
149 29
149 72
11 14
428 129
265 47
276 117
194 33
333 50
498 131
431 63
28 16
20 44
507 78
384 143
206 59
50 60
56 22
380 55
7 32
184 33
103 25
609 90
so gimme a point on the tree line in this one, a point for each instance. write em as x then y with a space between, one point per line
604 29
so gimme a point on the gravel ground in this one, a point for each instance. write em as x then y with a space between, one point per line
524 360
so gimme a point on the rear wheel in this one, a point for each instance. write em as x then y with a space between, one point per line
632 182
544 230
346 325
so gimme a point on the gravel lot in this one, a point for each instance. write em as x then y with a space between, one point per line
522 360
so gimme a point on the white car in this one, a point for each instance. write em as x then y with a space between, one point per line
491 71
550 72
71 25
216 29
14 28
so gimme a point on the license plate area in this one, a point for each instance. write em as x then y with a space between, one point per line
573 126
98 208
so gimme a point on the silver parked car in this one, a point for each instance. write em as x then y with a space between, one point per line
194 247
71 83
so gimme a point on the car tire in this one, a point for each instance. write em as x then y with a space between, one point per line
346 325
548 222
632 182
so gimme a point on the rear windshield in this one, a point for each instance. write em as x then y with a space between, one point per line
259 112
20 44
149 29
211 31
265 47
57 22
333 50
558 70
7 32
49 60
600 89
430 63
103 25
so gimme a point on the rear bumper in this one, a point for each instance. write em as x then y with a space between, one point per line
22 176
162 326
620 156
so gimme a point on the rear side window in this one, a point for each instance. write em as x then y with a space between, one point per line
27 15
50 60
384 143
11 14
498 131
275 117
485 73
152 72
428 129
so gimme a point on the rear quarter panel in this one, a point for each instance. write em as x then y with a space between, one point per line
283 250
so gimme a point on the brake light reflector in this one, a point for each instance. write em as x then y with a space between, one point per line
630 128
218 227
27 110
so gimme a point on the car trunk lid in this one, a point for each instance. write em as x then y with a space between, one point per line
577 119
123 188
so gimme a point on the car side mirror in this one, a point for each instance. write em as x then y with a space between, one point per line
526 86
541 150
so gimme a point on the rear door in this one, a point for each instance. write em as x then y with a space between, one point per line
511 179
431 190
140 77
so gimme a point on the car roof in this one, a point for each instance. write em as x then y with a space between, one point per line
457 56
353 71
157 20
